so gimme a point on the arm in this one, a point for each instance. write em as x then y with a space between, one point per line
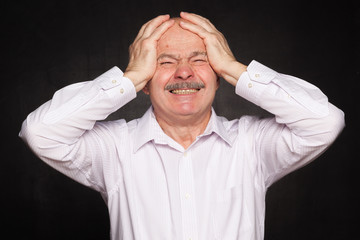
63 131
305 123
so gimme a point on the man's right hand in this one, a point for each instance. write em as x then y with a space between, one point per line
142 52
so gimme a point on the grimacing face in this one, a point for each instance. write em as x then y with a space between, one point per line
184 84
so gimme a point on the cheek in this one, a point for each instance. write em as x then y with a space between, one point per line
162 73
206 74
160 79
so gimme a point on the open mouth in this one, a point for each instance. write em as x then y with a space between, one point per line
185 91
184 88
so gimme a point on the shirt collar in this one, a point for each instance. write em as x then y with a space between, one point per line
216 125
148 129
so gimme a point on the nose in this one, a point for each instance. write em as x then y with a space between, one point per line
184 72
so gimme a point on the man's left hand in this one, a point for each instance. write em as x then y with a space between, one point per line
220 56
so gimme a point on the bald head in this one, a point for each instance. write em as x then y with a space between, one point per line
178 39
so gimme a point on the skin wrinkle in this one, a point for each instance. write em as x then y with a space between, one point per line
183 85
182 59
177 57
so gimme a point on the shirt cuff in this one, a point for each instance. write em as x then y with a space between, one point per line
117 87
262 86
254 81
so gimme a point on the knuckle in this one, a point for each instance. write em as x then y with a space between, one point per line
131 47
207 21
222 37
146 43
213 37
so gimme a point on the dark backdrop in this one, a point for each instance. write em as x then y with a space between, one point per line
49 44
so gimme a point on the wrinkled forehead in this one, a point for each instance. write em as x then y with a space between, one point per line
179 40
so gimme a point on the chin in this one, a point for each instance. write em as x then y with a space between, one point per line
187 110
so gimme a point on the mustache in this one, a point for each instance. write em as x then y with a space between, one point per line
182 85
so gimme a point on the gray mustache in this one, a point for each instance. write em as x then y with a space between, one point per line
182 85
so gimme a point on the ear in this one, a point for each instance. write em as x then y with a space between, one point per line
217 82
146 89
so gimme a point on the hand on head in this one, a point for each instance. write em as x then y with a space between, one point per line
142 52
143 55
218 51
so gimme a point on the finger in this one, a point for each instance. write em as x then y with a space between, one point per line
143 27
199 20
197 29
159 31
153 24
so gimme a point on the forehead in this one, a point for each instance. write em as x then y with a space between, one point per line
179 41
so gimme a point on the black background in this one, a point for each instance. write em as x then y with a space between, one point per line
46 45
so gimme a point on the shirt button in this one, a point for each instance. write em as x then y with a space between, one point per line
113 81
250 85
121 90
187 195
185 154
257 75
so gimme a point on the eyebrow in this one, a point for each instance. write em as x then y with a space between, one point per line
198 53
167 55
177 57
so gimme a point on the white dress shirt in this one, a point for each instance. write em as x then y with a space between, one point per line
156 189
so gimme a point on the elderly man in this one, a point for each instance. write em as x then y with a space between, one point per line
181 171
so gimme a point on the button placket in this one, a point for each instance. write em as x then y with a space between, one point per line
188 207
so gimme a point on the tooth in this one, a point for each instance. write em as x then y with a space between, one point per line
184 91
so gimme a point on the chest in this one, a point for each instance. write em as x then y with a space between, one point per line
192 192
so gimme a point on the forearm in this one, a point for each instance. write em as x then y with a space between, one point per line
233 72
293 101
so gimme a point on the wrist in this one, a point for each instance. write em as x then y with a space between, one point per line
138 82
233 72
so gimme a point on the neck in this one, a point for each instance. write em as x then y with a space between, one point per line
184 130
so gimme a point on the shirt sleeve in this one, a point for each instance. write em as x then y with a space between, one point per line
58 131
304 126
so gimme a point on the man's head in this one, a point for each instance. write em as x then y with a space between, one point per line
184 84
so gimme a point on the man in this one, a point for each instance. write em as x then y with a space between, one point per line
180 171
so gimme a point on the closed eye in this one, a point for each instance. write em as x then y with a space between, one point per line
200 61
163 63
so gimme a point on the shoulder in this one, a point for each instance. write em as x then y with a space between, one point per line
250 126
243 123
116 128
